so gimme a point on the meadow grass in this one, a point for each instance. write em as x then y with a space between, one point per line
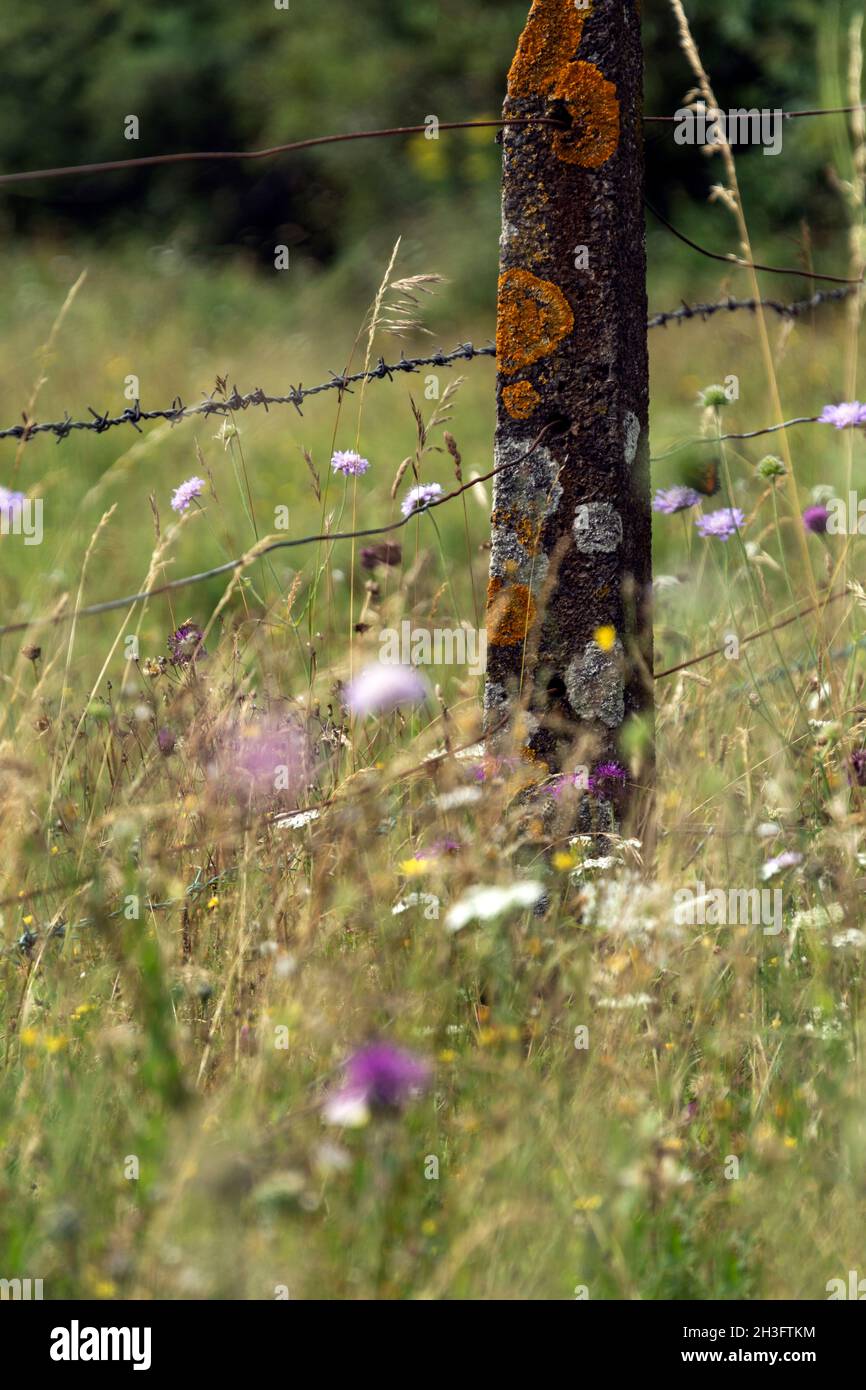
184 972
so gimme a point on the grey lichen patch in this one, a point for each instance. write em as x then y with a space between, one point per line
597 528
524 496
594 684
509 237
631 426
495 696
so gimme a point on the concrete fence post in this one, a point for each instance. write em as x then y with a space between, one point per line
569 632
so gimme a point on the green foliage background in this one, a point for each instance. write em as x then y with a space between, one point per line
220 75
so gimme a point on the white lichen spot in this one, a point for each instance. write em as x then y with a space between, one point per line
632 435
597 528
495 695
594 684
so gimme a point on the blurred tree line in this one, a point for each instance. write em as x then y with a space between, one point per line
217 74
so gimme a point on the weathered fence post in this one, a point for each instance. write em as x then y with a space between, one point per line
569 633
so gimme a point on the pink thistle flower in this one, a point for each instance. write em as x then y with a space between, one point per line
815 519
264 761
185 644
379 1076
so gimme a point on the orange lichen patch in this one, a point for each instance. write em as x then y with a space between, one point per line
528 533
526 528
533 318
511 611
595 111
547 46
545 65
520 400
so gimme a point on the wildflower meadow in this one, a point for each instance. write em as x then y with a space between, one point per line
318 981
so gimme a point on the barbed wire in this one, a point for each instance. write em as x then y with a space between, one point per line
731 305
753 636
235 400
266 548
466 352
108 166
728 258
200 156
745 434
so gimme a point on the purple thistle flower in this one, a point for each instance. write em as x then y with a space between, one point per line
183 495
349 463
438 848
185 644
675 499
388 553
263 761
378 1076
380 688
721 524
858 766
848 415
417 498
606 772
815 519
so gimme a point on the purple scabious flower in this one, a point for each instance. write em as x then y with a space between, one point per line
349 463
183 495
379 1076
815 519
262 761
788 859
10 502
185 644
722 523
380 688
675 499
604 773
417 498
848 415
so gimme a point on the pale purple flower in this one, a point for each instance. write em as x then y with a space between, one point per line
262 761
848 415
722 523
675 499
380 688
185 644
417 498
349 463
10 502
378 1076
788 859
815 519
184 494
